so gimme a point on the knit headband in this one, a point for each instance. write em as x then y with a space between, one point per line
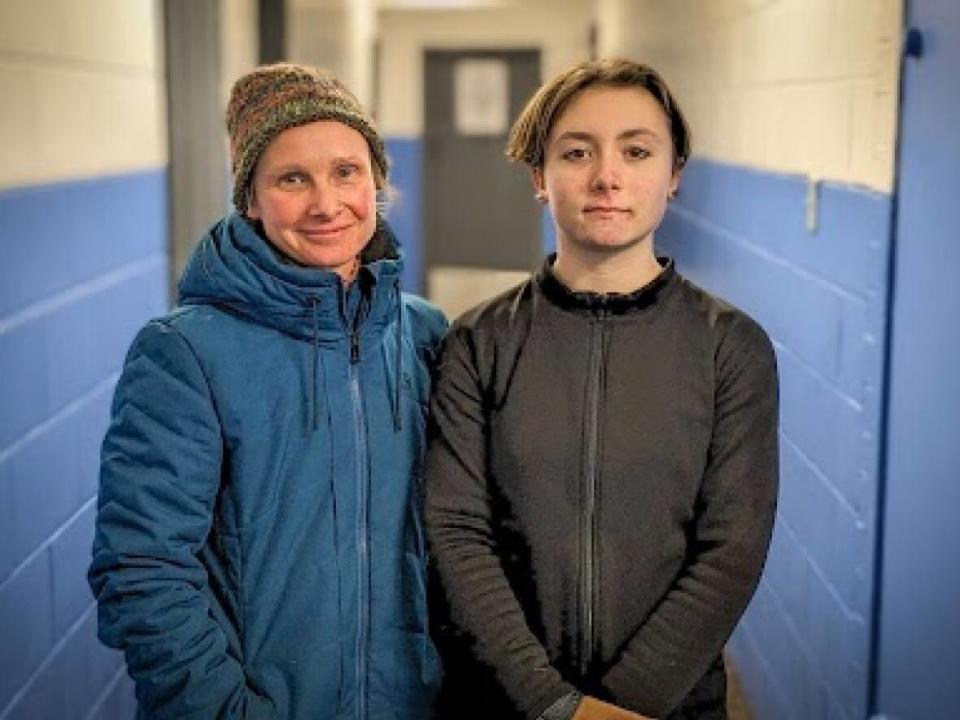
272 98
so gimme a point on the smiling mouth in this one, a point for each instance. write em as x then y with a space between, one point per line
324 231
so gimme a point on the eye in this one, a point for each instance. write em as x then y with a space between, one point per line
637 152
575 154
292 179
345 171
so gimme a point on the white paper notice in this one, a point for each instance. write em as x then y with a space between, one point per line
481 94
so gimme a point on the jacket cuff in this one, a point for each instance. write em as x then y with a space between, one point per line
563 708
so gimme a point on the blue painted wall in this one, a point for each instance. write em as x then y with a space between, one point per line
404 212
84 264
548 233
803 648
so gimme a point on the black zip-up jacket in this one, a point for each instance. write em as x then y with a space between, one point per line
601 489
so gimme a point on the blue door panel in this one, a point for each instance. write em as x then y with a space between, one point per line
918 651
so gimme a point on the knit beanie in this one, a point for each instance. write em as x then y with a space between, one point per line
271 98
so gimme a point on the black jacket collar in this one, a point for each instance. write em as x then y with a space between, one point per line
611 303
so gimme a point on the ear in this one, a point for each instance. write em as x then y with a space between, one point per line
674 183
539 188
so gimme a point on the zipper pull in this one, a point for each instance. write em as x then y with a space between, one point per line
354 347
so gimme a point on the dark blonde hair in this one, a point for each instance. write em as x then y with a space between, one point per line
528 136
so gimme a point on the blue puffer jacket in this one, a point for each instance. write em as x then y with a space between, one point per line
259 550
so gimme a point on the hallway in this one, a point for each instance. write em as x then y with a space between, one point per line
820 199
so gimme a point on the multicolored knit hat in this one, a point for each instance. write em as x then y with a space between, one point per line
271 98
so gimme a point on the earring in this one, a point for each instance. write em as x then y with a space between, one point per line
541 196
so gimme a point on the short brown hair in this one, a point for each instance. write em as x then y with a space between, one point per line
528 136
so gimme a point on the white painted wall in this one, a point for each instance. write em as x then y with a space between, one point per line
316 34
560 30
335 34
361 28
797 86
239 42
81 82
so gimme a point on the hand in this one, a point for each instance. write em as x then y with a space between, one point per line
592 709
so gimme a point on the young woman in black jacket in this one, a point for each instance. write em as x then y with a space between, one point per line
602 477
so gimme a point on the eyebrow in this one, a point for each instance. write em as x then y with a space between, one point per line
625 135
305 166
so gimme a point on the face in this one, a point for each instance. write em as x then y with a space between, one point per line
313 189
608 169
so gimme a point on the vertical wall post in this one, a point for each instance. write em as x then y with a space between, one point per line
198 162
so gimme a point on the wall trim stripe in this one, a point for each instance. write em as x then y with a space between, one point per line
66 411
78 63
47 542
817 375
822 476
107 692
80 292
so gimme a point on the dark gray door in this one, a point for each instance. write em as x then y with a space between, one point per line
478 209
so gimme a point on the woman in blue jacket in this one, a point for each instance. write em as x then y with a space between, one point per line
259 550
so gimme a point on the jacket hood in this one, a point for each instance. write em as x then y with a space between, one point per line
235 268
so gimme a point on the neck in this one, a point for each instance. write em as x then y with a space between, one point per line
619 271
348 271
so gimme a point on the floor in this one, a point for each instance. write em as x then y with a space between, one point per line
737 708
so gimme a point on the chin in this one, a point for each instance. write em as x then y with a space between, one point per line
327 263
608 244
328 258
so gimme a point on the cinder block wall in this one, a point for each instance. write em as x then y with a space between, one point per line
83 263
785 211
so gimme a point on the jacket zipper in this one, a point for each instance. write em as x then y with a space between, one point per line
588 519
363 478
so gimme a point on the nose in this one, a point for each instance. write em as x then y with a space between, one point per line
606 176
324 203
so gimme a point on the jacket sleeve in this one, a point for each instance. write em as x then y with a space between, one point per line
482 605
686 632
159 476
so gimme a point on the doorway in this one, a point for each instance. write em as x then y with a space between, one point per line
481 223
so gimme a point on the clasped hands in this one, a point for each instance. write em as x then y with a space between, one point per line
592 709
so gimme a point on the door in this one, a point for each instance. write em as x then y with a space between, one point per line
481 224
918 652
